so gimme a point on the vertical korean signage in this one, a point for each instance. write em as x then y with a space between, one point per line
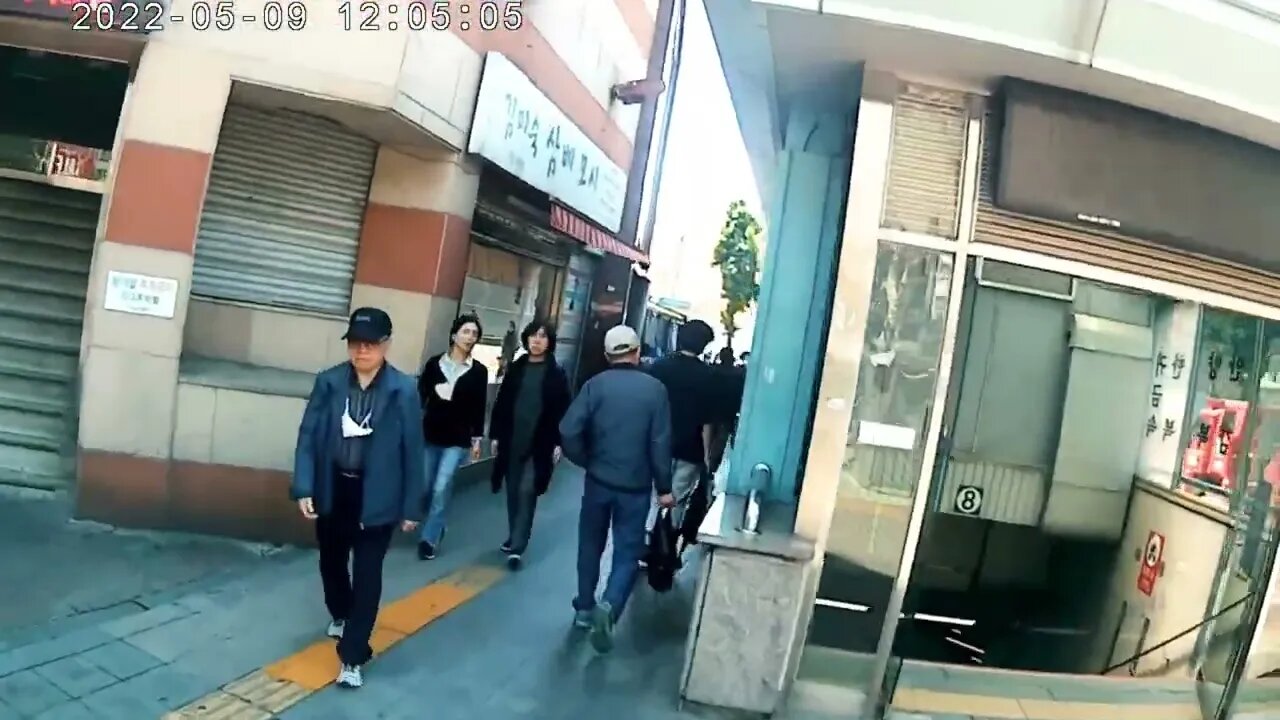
523 132
1171 368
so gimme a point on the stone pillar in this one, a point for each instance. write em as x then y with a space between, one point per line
414 248
129 363
756 592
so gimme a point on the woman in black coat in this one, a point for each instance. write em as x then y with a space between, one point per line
525 431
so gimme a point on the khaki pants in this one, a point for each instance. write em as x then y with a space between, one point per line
684 480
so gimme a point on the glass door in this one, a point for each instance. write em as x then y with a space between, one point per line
1224 677
887 450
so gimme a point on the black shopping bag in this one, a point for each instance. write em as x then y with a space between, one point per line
663 558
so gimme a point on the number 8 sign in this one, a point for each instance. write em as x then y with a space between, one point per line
969 500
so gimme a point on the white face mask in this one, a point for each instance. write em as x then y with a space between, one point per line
351 428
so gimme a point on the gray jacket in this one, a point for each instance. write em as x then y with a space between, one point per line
619 430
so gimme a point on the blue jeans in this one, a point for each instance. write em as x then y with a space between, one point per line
625 512
441 465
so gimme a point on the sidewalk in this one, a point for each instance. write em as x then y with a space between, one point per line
505 651
75 574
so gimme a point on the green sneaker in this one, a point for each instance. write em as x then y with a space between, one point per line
582 619
602 628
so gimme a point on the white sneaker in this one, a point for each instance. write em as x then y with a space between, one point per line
335 629
350 677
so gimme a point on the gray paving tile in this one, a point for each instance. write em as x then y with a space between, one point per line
75 676
30 694
46 651
179 637
146 620
121 659
148 695
74 710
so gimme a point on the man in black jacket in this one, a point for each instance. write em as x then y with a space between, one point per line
619 430
357 473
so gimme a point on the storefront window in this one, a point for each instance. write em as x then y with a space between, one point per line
1217 426
507 291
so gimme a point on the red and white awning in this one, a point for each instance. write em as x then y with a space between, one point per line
570 223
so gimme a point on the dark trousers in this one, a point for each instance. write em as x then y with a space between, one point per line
605 509
522 502
352 594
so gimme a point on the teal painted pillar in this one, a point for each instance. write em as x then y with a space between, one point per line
796 292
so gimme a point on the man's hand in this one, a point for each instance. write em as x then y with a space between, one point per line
556 455
493 447
667 501
308 508
409 526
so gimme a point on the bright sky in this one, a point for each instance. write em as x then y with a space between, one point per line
706 169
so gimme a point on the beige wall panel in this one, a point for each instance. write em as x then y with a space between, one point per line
130 409
257 431
193 429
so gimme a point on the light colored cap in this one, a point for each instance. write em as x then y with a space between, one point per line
620 340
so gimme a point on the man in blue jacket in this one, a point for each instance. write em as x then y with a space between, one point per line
358 472
619 430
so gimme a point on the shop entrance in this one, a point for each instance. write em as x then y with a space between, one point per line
58 118
1087 490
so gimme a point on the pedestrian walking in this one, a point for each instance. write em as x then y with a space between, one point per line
525 432
454 390
619 430
701 396
358 473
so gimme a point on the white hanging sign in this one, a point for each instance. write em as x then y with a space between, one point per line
520 130
141 294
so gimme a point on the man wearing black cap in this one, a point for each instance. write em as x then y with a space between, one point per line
358 473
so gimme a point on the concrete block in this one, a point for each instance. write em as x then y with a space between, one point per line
121 659
193 429
149 695
218 330
172 640
292 341
74 710
75 676
29 693
154 617
47 651
131 408
178 97
256 431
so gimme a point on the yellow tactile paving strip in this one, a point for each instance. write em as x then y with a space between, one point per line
265 693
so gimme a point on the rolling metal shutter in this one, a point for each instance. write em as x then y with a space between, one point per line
46 249
1084 243
926 161
282 217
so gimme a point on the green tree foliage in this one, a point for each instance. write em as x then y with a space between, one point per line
737 254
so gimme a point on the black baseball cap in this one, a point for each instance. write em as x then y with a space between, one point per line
368 325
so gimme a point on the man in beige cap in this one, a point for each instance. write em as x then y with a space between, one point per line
619 430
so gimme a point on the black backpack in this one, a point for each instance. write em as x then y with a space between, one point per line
663 557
